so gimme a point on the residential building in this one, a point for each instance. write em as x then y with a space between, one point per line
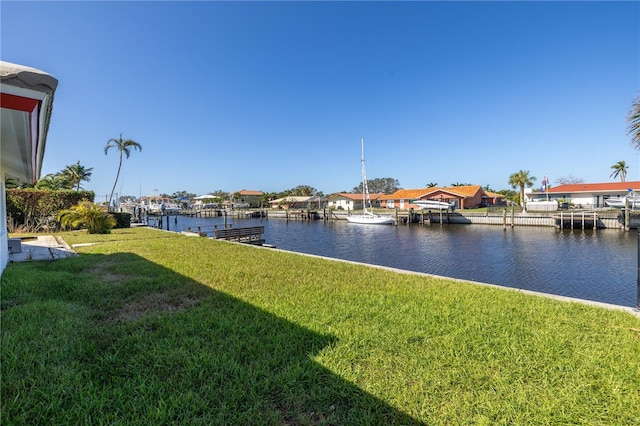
247 198
290 202
348 201
26 100
583 195
298 202
464 197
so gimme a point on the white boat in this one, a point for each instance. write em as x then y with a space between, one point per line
160 206
434 205
367 217
620 202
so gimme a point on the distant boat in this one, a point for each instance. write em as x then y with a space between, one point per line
160 206
367 217
620 202
434 205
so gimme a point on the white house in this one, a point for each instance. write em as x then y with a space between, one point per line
26 99
584 195
348 201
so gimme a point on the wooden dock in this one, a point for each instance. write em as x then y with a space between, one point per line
576 220
248 235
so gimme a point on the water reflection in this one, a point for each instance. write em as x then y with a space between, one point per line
592 265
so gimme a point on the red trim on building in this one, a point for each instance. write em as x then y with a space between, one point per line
18 103
32 108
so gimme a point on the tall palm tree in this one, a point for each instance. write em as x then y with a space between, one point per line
634 123
123 146
619 169
520 180
76 173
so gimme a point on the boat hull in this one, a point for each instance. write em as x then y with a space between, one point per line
433 205
371 219
620 202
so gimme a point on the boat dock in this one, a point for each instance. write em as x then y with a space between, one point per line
586 220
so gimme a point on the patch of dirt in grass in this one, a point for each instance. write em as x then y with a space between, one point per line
102 272
154 304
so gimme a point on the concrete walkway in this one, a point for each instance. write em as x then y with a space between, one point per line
44 247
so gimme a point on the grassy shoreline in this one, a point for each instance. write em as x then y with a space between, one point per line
155 327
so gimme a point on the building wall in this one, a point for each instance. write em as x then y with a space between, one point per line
4 233
345 204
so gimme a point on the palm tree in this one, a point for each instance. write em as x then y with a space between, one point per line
520 180
89 215
123 146
53 182
619 169
432 184
634 123
75 174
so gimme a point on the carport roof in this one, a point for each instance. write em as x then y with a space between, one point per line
26 99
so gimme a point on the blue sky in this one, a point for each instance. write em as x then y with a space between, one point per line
272 95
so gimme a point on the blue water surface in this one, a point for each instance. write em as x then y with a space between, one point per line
597 265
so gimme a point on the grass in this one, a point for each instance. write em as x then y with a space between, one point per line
150 327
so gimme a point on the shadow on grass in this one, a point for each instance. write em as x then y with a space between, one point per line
118 339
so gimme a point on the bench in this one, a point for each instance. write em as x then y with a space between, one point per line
250 235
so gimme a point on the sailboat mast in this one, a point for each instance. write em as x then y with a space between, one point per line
365 188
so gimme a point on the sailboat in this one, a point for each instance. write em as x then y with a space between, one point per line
367 217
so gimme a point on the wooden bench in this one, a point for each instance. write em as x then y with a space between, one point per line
250 235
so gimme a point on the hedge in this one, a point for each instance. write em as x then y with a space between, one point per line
29 206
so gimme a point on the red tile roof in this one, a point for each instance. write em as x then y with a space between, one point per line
406 194
594 187
412 194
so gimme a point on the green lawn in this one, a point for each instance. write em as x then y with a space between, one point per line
150 327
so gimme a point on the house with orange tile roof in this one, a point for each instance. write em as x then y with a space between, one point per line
464 197
584 195
348 201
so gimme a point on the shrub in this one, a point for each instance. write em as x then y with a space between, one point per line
123 220
89 215
30 209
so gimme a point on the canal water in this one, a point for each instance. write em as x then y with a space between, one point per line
592 265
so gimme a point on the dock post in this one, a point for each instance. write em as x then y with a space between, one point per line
513 219
396 222
572 221
595 221
504 219
627 225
